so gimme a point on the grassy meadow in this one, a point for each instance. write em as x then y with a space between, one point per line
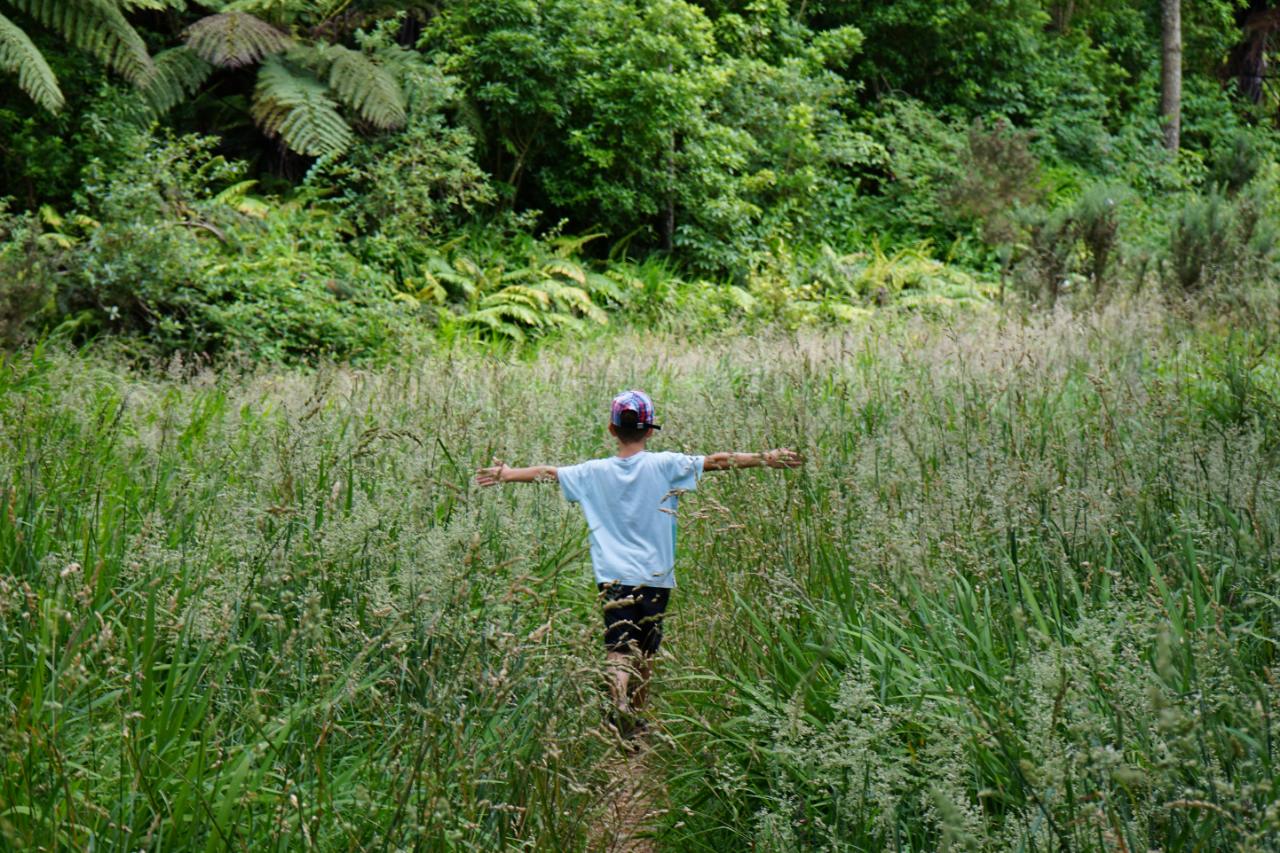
1024 596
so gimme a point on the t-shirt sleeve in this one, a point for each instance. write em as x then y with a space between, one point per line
572 480
683 471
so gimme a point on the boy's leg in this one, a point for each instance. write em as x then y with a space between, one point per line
653 609
620 666
633 631
618 603
644 672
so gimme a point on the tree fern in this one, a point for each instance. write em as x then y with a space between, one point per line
97 27
365 86
296 107
35 77
235 39
179 73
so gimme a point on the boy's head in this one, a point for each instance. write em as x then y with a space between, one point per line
631 417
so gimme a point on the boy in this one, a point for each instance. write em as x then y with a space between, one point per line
630 500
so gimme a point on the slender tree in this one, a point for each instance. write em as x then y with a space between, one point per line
1171 71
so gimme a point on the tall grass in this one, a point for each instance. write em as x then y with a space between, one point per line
1023 596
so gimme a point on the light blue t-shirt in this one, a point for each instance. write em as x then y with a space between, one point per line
630 505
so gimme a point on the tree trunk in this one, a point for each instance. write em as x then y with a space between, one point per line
1171 71
669 217
1247 62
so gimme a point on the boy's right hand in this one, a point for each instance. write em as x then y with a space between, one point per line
783 457
491 476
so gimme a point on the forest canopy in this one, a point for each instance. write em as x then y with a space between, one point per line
292 180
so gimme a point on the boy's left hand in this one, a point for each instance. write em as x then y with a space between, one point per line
783 457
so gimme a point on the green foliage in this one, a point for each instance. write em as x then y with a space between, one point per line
30 253
180 72
1073 243
843 288
18 55
97 27
1097 216
179 259
294 105
1239 159
526 288
406 191
905 190
365 86
285 601
235 39
745 150
1218 243
778 158
972 56
998 175
299 84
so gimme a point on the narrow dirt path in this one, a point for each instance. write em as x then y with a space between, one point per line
631 804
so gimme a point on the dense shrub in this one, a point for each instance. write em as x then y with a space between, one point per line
28 260
1220 244
174 254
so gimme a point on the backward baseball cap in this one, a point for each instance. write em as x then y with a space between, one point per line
633 401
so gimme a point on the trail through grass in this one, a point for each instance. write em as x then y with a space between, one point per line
1022 597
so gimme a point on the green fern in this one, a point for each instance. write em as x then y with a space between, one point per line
296 107
235 39
97 27
366 87
19 55
179 73
153 5
496 321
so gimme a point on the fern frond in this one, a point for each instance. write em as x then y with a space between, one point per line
494 320
366 87
519 313
566 269
568 246
235 39
565 321
603 285
179 73
97 27
576 299
517 294
237 196
153 5
18 55
297 108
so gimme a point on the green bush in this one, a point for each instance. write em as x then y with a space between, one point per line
29 257
1219 244
177 257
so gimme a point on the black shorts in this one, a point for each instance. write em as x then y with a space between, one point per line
633 617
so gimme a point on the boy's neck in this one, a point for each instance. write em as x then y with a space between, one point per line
628 450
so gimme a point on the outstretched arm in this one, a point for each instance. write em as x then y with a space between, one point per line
503 473
782 457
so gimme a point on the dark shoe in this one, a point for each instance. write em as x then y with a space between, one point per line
627 725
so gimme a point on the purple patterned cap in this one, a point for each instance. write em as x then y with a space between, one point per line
633 401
